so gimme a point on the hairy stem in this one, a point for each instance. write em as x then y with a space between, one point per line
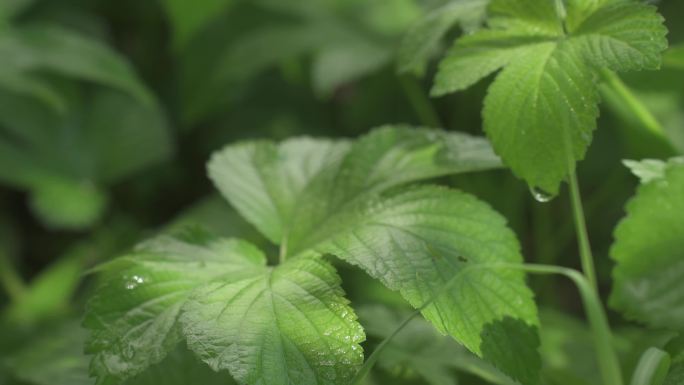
581 229
633 104
10 279
420 103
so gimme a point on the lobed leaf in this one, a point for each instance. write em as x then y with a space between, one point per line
133 317
282 325
277 325
287 190
649 275
431 243
413 242
541 110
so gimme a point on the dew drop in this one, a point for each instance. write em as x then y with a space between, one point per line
541 195
134 281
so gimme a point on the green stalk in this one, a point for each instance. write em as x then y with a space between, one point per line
609 364
373 358
652 368
643 115
581 228
607 358
420 103
10 279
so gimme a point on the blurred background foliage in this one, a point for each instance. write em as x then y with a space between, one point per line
109 110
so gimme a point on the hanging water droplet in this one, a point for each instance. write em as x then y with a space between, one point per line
541 195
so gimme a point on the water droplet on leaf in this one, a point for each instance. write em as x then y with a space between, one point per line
541 195
134 281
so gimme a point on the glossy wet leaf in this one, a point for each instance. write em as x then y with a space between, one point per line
133 317
281 189
648 246
415 242
428 242
287 324
281 325
541 110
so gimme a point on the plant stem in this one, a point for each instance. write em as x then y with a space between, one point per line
420 103
603 341
633 104
373 358
581 228
10 279
652 368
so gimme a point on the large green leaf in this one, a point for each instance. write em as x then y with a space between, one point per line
133 316
649 242
417 242
541 110
269 184
434 243
285 325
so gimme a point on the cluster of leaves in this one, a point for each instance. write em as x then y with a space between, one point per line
60 90
291 323
262 301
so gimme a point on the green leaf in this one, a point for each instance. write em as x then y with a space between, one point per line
280 325
419 349
266 182
133 317
422 39
431 242
649 275
414 242
649 170
477 56
61 51
549 70
285 325
550 84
